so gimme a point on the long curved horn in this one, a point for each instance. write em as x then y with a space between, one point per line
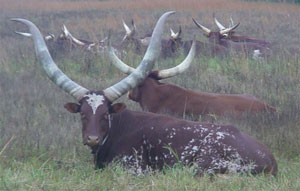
227 30
24 33
127 29
224 30
119 63
51 69
134 79
129 32
167 73
68 34
50 36
179 32
203 28
220 26
133 26
231 22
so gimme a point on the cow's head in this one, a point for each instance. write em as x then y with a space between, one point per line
154 77
95 110
174 42
228 33
215 36
95 107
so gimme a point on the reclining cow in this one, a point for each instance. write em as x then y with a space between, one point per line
93 46
175 44
140 140
170 47
240 38
130 41
158 97
66 41
251 49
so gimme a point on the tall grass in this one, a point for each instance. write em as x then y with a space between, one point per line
47 153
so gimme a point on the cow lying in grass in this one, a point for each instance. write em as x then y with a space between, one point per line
142 140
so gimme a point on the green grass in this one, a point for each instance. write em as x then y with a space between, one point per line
76 172
47 152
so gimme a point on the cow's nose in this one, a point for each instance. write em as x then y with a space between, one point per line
92 140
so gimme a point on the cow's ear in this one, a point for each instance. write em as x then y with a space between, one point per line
72 107
117 107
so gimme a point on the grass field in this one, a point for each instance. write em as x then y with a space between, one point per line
46 151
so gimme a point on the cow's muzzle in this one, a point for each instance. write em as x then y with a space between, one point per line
92 141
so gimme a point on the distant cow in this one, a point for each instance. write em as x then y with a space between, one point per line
142 140
176 44
238 38
130 41
250 48
169 46
158 97
97 46
66 41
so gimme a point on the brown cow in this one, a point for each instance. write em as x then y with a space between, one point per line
238 38
252 49
142 140
169 46
66 41
158 97
138 45
97 46
175 44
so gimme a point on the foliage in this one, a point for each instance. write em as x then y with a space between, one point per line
47 153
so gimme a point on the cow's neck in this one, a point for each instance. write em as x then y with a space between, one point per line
121 124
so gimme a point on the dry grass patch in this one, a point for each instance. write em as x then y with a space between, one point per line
191 5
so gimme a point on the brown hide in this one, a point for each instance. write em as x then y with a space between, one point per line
239 38
143 141
172 46
218 37
243 47
158 97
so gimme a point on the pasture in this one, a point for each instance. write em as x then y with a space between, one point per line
40 142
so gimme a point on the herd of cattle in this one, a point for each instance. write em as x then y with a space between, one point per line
147 140
220 43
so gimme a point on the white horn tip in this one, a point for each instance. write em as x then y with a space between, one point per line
23 34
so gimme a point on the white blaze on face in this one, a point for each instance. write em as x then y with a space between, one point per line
94 101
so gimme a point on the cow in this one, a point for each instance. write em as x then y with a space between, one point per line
170 46
239 38
157 97
175 44
97 46
142 140
249 48
66 42
138 45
